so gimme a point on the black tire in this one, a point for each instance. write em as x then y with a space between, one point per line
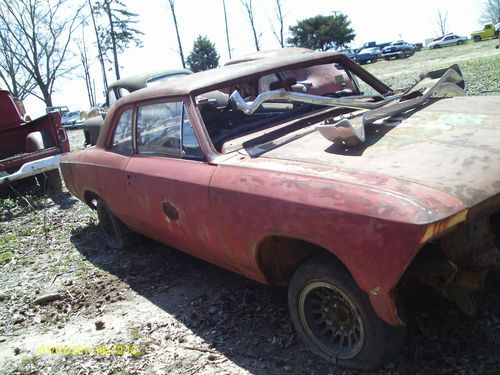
438 46
50 180
117 235
325 300
460 42
477 38
53 180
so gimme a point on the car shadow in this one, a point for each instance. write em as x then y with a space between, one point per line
249 323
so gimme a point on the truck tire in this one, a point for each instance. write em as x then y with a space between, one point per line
477 38
335 319
117 235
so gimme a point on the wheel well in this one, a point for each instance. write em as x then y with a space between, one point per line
279 257
90 198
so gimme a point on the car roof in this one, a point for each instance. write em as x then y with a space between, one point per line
209 80
139 81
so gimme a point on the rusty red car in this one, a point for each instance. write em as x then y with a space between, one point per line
304 170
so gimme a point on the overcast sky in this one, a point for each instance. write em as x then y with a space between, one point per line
381 21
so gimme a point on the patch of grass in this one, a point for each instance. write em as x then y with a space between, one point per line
9 243
135 333
479 62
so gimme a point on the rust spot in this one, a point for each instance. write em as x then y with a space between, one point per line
439 227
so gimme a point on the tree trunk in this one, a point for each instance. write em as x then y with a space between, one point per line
113 39
227 29
177 32
99 48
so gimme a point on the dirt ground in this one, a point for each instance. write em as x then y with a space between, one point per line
154 310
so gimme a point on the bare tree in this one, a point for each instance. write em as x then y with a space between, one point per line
86 70
227 30
279 34
251 18
181 54
491 11
99 49
40 32
16 79
442 21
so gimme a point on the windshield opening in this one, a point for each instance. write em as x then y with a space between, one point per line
225 120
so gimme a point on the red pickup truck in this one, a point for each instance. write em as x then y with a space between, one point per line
303 169
30 148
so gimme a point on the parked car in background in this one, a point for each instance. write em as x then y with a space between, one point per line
71 119
448 40
367 55
489 31
123 87
349 52
398 50
282 169
60 109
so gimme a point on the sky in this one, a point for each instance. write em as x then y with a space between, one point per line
381 21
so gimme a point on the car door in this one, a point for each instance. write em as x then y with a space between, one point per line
108 166
168 182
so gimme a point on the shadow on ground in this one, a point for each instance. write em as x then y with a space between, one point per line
249 322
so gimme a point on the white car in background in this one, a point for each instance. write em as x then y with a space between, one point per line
448 40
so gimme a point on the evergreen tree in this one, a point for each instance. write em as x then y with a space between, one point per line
203 56
322 32
117 30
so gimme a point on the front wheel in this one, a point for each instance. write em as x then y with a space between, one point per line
335 319
477 38
118 236
460 42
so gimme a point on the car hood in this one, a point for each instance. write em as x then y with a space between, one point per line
451 146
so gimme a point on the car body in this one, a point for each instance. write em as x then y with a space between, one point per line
448 40
124 86
489 31
281 169
397 50
371 54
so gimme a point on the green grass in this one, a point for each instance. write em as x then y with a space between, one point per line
9 243
479 62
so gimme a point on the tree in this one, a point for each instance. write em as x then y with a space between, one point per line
279 34
15 78
322 32
491 11
247 4
227 29
181 54
203 56
82 46
39 34
99 48
442 21
118 31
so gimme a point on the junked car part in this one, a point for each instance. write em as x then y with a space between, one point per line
444 81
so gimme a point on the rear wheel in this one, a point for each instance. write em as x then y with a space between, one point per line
118 236
50 180
335 318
